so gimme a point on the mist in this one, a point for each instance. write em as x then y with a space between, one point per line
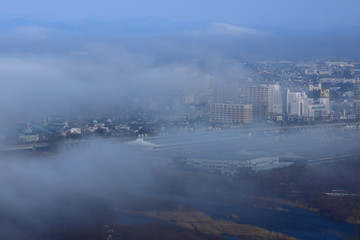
60 68
51 66
74 191
43 197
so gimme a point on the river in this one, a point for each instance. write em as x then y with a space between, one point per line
303 225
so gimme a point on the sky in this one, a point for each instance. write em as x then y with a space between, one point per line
293 14
157 37
163 46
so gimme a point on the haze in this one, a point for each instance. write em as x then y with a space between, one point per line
102 62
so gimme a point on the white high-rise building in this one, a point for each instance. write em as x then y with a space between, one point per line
326 103
296 103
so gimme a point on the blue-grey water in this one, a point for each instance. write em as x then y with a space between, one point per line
295 222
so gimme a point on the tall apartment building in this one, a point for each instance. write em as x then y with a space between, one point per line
226 92
266 99
277 106
230 113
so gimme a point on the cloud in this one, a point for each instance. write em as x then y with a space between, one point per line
44 198
40 197
226 28
36 84
33 32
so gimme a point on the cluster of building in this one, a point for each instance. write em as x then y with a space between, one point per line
56 127
299 104
326 91
263 101
284 92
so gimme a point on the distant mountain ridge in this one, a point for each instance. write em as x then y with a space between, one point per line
137 26
149 25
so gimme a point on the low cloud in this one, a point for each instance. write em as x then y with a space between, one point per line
33 32
219 29
41 197
226 28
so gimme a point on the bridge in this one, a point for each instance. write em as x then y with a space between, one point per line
23 147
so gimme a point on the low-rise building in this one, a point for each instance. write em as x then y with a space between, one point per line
230 113
29 137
